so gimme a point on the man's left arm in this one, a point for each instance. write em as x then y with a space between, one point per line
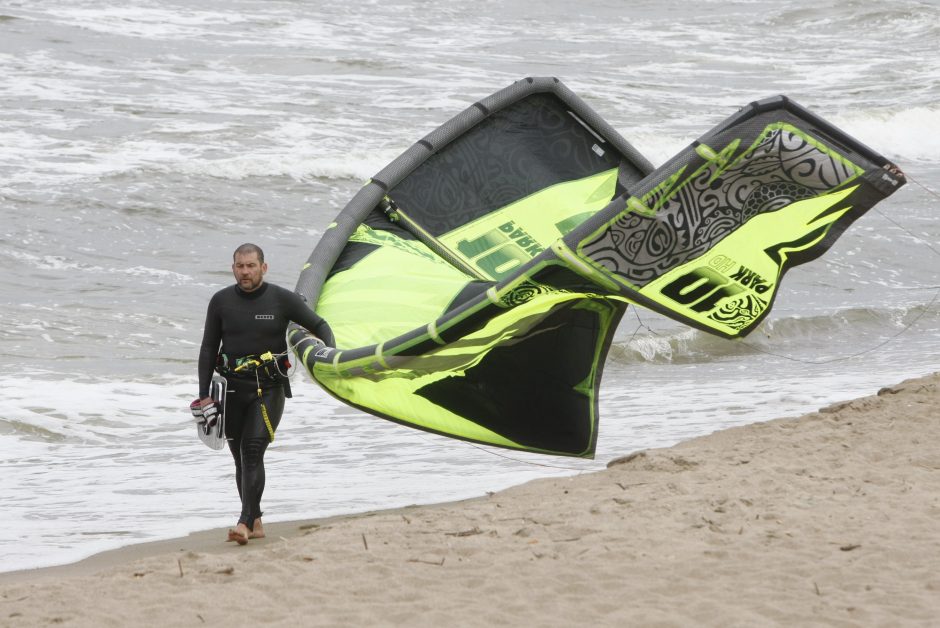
299 312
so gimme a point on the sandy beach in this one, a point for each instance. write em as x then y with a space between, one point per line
829 519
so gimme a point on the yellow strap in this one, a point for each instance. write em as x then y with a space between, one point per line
264 415
250 363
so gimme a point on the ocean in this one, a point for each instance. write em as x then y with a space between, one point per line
142 141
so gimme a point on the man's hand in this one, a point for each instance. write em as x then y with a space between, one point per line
196 408
206 410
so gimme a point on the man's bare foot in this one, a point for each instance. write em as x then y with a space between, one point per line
257 530
240 534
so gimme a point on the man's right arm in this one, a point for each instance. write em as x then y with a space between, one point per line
209 349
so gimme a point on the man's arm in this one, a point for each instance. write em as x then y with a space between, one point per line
300 313
209 350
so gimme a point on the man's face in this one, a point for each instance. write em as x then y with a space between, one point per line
248 271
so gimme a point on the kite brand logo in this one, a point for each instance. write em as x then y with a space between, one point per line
722 263
702 288
749 279
499 251
890 180
264 317
744 275
520 237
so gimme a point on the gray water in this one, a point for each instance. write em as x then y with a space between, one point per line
141 142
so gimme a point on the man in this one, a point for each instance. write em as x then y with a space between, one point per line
249 320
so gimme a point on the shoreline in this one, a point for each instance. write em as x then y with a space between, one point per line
210 540
829 518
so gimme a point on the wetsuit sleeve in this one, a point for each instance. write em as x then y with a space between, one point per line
209 350
300 313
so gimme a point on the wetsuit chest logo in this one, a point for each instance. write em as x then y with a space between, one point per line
264 317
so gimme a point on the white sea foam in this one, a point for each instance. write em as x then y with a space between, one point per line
146 22
901 134
61 263
340 166
904 134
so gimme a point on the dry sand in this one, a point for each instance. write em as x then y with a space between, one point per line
831 519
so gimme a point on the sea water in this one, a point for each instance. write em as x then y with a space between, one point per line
141 141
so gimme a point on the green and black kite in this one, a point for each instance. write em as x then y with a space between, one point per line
475 283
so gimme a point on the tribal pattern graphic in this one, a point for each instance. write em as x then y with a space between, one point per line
740 312
524 292
689 216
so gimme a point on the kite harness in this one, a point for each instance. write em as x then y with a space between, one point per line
266 368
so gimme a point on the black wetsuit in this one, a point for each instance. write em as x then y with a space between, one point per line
250 324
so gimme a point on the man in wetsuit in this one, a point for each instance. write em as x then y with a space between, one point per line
248 320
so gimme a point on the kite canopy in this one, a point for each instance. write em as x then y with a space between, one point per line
474 285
